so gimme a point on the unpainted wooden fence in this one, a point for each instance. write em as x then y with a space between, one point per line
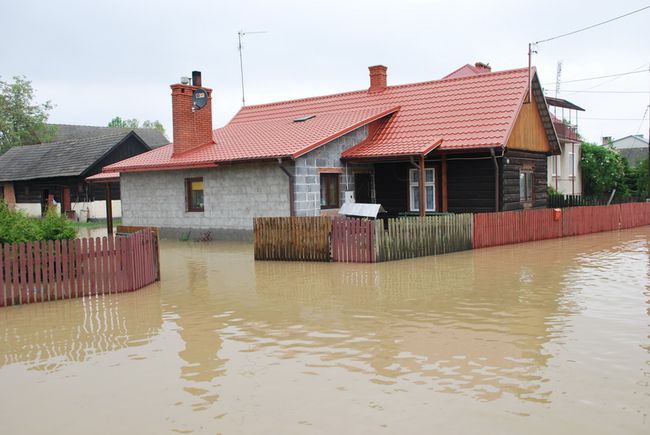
410 237
64 269
292 238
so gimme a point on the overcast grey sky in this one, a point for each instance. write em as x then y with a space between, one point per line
96 60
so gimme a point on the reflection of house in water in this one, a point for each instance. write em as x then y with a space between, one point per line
46 334
474 322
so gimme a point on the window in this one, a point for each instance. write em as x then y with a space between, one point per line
526 182
429 186
572 162
194 194
329 190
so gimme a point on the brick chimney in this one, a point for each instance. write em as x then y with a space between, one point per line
378 78
192 127
483 67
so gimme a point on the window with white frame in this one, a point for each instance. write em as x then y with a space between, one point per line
572 162
526 183
429 189
556 166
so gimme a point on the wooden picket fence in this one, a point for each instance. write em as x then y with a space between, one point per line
353 240
292 238
635 214
577 221
357 240
409 237
504 228
64 269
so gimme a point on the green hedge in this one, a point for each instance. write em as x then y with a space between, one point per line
16 226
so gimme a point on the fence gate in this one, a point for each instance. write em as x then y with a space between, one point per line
353 240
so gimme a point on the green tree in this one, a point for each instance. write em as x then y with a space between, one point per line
603 170
134 123
22 121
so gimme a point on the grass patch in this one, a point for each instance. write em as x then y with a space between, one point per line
100 223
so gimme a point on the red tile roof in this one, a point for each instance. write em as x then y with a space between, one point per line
104 177
467 70
469 112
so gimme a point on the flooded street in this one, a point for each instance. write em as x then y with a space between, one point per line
544 337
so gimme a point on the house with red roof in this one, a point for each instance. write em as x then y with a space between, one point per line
473 141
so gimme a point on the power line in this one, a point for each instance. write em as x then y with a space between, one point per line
600 92
592 26
611 119
599 77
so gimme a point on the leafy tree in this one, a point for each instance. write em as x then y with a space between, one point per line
124 123
603 170
134 123
22 121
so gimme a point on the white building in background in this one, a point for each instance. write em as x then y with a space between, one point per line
563 170
633 147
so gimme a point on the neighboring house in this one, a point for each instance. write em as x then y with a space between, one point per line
564 173
467 143
30 174
634 148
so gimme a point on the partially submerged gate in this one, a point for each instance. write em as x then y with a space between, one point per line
353 240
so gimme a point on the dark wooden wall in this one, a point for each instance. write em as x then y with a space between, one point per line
470 183
391 186
511 164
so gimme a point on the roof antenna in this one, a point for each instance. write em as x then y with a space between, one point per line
241 60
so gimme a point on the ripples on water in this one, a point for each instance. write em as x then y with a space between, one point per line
539 337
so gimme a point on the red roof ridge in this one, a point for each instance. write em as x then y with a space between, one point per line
363 91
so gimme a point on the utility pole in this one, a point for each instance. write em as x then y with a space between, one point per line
241 61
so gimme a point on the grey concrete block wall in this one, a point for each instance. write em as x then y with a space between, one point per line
307 176
233 196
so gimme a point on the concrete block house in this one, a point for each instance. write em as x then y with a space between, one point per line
473 141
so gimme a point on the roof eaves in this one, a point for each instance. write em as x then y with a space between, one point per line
344 131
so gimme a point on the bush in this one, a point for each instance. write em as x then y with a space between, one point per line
603 170
16 226
55 226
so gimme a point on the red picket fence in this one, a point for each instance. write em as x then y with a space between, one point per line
577 221
635 214
493 229
504 228
64 269
353 240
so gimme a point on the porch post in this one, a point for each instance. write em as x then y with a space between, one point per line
423 205
109 209
9 195
443 175
66 202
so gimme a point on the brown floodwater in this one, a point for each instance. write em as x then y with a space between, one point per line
538 338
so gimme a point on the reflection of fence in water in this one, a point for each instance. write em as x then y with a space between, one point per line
44 334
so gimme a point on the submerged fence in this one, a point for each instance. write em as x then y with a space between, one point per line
294 238
356 240
64 269
410 237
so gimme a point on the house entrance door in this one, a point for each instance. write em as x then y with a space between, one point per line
362 188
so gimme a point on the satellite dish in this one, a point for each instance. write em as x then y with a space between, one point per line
199 98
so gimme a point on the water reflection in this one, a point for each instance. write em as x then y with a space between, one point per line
49 335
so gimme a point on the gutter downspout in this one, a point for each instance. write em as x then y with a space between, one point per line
292 206
496 180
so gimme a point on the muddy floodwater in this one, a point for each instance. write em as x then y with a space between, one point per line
538 338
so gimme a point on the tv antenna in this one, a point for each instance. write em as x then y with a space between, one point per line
240 34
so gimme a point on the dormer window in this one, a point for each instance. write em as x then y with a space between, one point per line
304 118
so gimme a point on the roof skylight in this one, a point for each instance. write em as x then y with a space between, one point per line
304 118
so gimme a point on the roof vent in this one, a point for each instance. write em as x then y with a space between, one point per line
304 118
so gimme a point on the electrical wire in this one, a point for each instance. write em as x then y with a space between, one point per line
592 26
599 77
600 92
